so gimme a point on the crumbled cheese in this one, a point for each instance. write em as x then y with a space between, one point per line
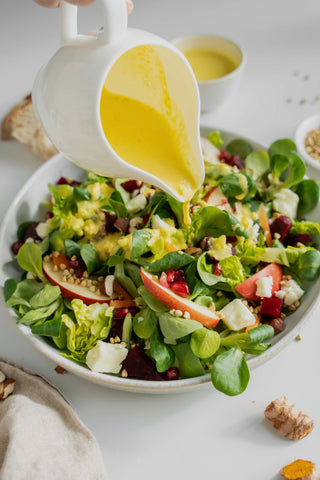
290 292
253 232
106 357
264 287
235 315
136 203
286 202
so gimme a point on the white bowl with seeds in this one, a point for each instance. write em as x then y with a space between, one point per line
307 139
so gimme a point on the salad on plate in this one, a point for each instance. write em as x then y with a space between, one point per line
125 280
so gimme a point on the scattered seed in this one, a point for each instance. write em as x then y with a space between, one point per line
55 268
112 340
303 101
298 337
62 266
306 77
73 258
85 274
178 313
289 100
186 315
117 339
124 373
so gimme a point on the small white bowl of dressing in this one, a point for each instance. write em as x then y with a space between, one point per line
217 63
307 139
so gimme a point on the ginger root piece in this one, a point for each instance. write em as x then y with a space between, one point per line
288 419
301 470
22 124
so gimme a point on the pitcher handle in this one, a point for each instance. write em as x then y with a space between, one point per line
115 21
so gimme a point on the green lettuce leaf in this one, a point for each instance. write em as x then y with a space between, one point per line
215 222
90 324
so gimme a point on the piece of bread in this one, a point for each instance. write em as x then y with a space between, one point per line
22 124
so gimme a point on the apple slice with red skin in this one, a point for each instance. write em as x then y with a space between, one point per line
215 197
248 288
69 290
172 300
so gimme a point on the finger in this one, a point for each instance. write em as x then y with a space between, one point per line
129 6
81 3
48 3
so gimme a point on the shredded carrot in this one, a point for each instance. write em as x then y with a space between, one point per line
254 325
120 291
122 303
265 225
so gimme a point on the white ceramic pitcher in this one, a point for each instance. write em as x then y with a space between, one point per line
67 91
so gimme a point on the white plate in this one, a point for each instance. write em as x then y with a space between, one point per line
25 207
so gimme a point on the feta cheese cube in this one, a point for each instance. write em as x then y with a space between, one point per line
136 203
106 357
286 202
290 292
264 287
235 315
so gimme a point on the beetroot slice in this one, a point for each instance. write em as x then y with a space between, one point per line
271 307
281 225
139 365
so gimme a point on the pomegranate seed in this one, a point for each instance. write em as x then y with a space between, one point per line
181 288
172 373
281 225
271 307
130 186
223 155
164 280
15 247
62 181
217 269
173 275
294 238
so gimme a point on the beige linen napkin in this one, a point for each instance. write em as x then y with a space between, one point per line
41 437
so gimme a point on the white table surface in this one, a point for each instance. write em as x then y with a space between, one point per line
203 434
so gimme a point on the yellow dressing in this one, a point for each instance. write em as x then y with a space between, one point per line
208 64
145 129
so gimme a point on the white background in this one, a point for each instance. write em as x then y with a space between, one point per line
202 434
